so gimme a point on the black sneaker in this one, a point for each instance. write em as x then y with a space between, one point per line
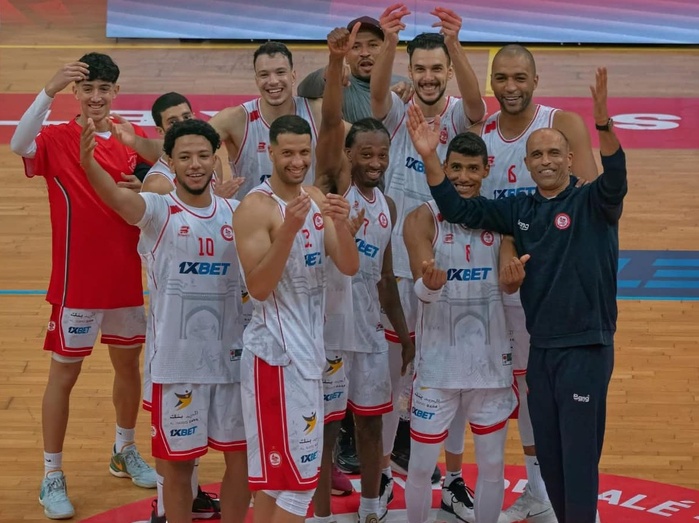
457 499
154 518
206 506
346 458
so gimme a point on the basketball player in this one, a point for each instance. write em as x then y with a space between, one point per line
434 60
356 101
463 362
506 132
362 357
90 245
196 322
167 110
570 312
285 231
244 129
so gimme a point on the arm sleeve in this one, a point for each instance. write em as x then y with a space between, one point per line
476 213
609 189
23 141
313 85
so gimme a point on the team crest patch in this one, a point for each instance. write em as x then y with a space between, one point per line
227 232
383 220
51 326
275 459
507 359
487 238
562 221
443 136
318 221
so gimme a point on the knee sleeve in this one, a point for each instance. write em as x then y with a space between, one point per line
524 422
294 501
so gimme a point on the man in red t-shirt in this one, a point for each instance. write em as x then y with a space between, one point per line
96 272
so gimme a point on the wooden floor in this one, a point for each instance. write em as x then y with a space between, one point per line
653 422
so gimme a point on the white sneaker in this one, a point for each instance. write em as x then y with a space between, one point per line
528 508
457 500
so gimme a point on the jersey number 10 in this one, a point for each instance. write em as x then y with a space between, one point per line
206 246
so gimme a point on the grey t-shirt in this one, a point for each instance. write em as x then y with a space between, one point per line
356 98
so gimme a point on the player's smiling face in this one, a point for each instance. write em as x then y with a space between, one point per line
274 78
430 71
513 82
95 97
466 173
291 157
192 161
369 158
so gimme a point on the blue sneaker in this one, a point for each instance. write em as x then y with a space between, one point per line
54 496
129 464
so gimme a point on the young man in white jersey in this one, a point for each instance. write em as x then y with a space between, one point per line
354 166
244 129
285 231
505 133
196 323
463 363
434 60
167 110
89 245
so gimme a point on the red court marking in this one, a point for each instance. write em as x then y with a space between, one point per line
622 500
641 123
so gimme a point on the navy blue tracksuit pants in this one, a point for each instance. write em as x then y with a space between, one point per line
567 405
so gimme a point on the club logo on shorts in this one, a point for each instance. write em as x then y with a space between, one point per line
318 221
51 326
383 220
153 431
227 232
562 221
310 423
507 359
487 238
443 136
183 400
275 459
333 366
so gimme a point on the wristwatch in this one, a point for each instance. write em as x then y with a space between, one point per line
605 127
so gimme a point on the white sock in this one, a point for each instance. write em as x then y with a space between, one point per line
451 476
52 462
323 519
368 506
195 479
536 483
124 437
160 508
388 472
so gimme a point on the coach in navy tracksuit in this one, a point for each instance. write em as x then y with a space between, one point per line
568 294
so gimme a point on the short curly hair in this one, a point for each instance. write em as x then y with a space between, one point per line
190 127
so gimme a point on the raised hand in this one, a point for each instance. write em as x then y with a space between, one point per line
356 222
512 273
425 136
391 21
404 90
228 188
122 130
72 72
87 144
433 278
296 211
341 41
449 22
337 209
599 96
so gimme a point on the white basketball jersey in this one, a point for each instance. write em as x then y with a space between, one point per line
509 175
253 160
338 329
372 239
195 322
288 326
406 182
161 167
461 339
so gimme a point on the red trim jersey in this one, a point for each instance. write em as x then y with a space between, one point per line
95 264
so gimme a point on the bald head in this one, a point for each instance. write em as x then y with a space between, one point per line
516 51
547 134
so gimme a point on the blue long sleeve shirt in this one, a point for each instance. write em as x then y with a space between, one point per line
569 291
